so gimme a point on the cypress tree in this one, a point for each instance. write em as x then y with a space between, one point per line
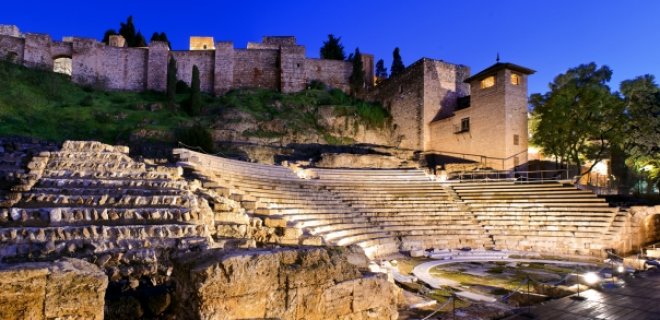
139 41
160 37
381 71
333 49
127 30
397 64
356 79
107 34
195 107
171 82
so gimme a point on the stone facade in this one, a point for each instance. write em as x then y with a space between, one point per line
430 101
277 63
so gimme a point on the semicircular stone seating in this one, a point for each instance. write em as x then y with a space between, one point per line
93 201
391 210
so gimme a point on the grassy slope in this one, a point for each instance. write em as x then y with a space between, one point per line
49 106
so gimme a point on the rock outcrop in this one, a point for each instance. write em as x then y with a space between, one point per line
307 283
64 289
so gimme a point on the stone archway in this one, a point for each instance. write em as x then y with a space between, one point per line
62 64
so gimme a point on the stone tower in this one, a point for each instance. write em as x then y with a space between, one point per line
497 123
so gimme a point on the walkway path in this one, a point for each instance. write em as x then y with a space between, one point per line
422 272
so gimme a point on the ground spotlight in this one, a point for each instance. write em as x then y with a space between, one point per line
591 278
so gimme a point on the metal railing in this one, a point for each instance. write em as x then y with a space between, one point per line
510 175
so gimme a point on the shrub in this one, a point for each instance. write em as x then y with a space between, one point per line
87 101
197 136
182 87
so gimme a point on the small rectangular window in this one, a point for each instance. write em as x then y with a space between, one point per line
488 82
516 140
515 79
465 124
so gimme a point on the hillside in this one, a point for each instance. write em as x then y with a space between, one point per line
49 106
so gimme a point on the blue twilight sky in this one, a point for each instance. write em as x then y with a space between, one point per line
548 36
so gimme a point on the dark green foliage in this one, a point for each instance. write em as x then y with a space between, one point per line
579 117
195 102
127 30
333 49
641 97
140 41
160 37
381 71
317 85
87 101
197 136
356 79
397 64
171 82
182 87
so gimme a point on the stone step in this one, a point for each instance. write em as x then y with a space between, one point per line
164 183
63 216
38 199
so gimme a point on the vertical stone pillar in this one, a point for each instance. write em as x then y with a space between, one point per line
158 58
292 68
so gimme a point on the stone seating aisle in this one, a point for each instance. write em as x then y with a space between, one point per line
92 201
548 217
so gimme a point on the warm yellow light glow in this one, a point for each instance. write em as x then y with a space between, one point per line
600 168
620 269
648 167
515 79
488 82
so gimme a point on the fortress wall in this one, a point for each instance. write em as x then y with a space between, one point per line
203 59
61 49
11 48
224 67
96 64
443 85
403 96
334 73
256 69
36 53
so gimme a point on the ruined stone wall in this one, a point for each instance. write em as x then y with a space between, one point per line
403 96
36 52
11 48
443 85
334 73
256 69
10 30
203 59
158 58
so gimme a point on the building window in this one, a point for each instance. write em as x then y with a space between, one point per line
488 82
516 139
515 79
465 124
205 47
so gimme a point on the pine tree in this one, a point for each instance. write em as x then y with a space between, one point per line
127 30
397 64
381 71
171 82
356 79
195 107
333 49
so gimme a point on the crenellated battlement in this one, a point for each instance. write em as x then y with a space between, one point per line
277 63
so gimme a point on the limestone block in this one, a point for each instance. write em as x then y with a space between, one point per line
275 222
310 283
65 289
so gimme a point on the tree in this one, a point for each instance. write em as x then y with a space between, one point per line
333 49
381 71
139 40
195 103
579 118
397 64
127 30
641 97
356 79
171 82
160 37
